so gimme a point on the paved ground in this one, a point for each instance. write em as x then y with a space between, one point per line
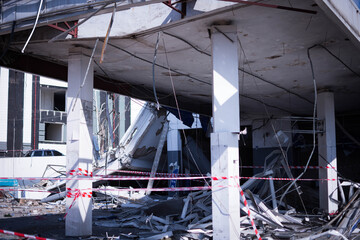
52 226
46 220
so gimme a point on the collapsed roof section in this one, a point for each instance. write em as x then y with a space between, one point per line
139 144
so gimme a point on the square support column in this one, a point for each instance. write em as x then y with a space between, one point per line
79 107
174 149
224 139
327 152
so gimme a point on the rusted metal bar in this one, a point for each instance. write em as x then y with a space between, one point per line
72 33
168 3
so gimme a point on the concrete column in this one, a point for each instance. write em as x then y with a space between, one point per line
15 113
79 143
124 114
28 82
174 148
327 152
224 139
4 98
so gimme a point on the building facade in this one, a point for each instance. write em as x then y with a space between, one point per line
33 114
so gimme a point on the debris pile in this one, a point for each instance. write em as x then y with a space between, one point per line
180 217
289 224
11 207
135 215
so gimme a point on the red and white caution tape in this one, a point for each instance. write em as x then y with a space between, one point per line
72 192
73 202
192 174
80 172
278 179
174 189
127 178
23 235
78 193
294 167
249 213
155 174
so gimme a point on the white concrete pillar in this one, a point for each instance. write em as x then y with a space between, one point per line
28 83
224 139
174 148
327 152
79 143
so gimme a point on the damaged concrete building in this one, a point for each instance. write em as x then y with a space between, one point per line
275 85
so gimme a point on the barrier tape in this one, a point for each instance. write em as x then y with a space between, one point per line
333 213
23 235
192 174
80 172
156 174
89 191
127 178
277 179
76 196
173 189
249 213
294 167
103 178
70 194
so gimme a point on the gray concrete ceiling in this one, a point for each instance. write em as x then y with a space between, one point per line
274 69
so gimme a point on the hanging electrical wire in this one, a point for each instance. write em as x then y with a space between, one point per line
337 58
153 71
158 65
32 31
107 34
242 70
178 108
185 138
313 126
284 154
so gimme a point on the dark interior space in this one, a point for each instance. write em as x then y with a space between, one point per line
59 101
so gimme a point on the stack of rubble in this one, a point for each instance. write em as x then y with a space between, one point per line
186 217
11 207
190 217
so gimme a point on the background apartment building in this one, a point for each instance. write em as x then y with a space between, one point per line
33 114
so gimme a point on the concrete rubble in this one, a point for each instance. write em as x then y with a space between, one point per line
136 214
190 216
11 207
158 217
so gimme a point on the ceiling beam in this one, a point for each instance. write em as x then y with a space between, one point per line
272 6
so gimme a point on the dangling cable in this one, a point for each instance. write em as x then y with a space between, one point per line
32 31
183 131
153 71
272 125
314 125
107 34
